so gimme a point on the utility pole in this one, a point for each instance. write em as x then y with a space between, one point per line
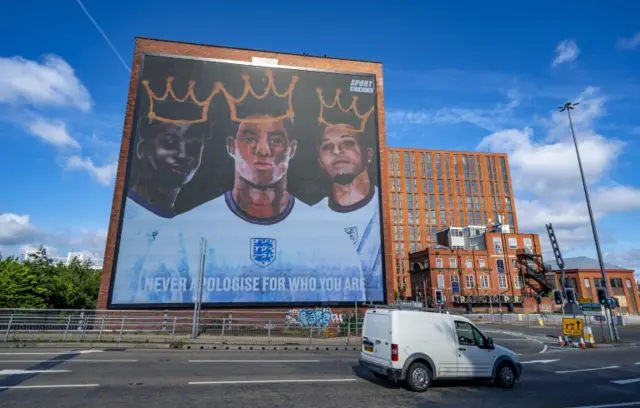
613 330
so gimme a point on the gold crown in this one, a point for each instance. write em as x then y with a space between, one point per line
248 90
189 97
336 103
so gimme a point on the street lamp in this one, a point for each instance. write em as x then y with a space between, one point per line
569 106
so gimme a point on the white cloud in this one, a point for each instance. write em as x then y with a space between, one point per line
627 258
103 174
490 119
566 51
53 132
629 43
18 235
546 178
16 229
49 82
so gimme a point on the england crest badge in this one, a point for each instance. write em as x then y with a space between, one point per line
263 251
352 232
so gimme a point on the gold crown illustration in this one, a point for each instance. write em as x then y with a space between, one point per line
189 97
353 108
270 88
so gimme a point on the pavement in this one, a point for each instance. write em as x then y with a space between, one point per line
128 378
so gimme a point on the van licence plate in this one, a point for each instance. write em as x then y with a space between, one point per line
368 349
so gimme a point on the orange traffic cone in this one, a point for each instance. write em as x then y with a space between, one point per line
561 341
582 343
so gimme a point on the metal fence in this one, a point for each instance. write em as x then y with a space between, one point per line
307 327
304 327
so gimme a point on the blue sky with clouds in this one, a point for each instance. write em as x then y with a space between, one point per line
465 75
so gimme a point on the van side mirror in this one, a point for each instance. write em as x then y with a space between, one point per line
490 345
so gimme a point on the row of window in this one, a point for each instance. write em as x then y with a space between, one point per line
429 201
482 263
469 281
471 165
443 218
461 187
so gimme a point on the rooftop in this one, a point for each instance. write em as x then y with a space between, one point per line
583 262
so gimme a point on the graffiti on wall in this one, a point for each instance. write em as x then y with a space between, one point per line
312 318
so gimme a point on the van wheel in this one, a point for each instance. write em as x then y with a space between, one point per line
418 377
505 376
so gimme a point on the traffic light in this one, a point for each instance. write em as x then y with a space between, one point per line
571 295
602 295
539 299
557 296
438 297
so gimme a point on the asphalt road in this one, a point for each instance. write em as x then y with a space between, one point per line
627 334
184 378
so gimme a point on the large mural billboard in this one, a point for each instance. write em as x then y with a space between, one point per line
257 184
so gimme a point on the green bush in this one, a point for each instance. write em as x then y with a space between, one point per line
39 283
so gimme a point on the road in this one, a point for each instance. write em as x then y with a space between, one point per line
627 334
189 378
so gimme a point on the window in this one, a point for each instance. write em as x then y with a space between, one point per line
440 281
517 282
469 281
628 282
502 282
439 263
482 263
527 243
453 263
500 265
469 335
468 263
484 282
513 243
587 283
497 245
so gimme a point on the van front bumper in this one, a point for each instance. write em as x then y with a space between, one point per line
391 373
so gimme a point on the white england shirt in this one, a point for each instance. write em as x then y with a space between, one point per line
140 225
361 223
293 257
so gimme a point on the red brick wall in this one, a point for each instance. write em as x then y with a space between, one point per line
164 47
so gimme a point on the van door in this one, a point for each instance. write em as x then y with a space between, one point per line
376 338
473 359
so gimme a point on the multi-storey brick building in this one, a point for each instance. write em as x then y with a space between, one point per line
481 267
431 189
584 275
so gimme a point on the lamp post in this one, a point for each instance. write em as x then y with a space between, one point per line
568 107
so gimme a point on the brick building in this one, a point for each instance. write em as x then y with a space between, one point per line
432 189
583 274
486 268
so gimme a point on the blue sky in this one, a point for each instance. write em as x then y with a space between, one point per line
464 75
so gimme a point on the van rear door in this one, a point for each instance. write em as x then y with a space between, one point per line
376 337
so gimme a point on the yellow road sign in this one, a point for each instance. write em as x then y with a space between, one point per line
572 327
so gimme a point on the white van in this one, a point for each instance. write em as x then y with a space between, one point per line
416 347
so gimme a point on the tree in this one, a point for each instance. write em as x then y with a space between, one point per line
39 283
20 286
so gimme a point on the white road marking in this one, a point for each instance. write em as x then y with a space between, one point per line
254 361
17 372
539 361
50 353
628 381
73 360
586 369
623 404
316 380
28 387
544 349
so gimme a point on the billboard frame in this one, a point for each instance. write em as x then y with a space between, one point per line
237 305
